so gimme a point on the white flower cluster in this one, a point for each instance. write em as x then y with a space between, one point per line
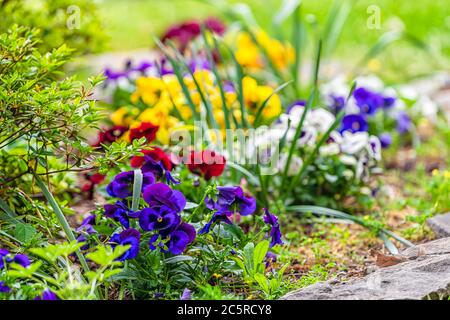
359 150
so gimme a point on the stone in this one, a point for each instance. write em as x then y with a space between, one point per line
425 274
440 224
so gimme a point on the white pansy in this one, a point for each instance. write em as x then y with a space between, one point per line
372 83
374 148
333 145
348 160
337 87
321 119
353 143
427 108
307 137
294 167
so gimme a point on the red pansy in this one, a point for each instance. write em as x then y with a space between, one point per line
206 163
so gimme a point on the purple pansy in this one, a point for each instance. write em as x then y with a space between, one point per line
298 103
157 169
367 101
22 259
120 212
270 259
217 217
354 123
337 103
161 195
275 232
385 140
3 254
130 237
230 200
122 185
389 102
403 122
186 294
47 295
4 288
160 218
174 241
87 225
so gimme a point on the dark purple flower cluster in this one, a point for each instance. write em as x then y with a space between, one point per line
6 258
162 216
229 200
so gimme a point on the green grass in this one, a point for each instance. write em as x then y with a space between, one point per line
131 24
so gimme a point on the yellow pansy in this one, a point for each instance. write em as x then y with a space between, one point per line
248 54
124 116
149 89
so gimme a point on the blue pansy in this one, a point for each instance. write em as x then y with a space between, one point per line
129 237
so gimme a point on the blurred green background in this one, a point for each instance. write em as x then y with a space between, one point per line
131 24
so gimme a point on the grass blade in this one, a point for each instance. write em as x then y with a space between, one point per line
137 187
61 218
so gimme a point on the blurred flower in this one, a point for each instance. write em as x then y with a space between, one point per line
249 55
3 254
145 129
255 95
47 295
386 140
367 101
206 163
93 179
230 200
110 135
129 237
4 288
182 34
122 185
155 153
160 196
275 232
270 258
186 294
404 123
353 143
354 123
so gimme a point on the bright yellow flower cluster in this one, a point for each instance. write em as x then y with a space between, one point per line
445 174
249 55
163 95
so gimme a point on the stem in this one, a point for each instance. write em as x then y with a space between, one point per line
61 218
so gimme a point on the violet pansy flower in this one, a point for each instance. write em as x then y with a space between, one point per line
230 200
47 295
161 195
354 123
120 212
174 241
275 232
122 185
160 218
129 237
4 288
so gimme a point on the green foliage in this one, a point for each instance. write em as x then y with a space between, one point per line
74 23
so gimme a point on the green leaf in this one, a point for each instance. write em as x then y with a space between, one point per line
24 232
287 8
180 258
260 253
